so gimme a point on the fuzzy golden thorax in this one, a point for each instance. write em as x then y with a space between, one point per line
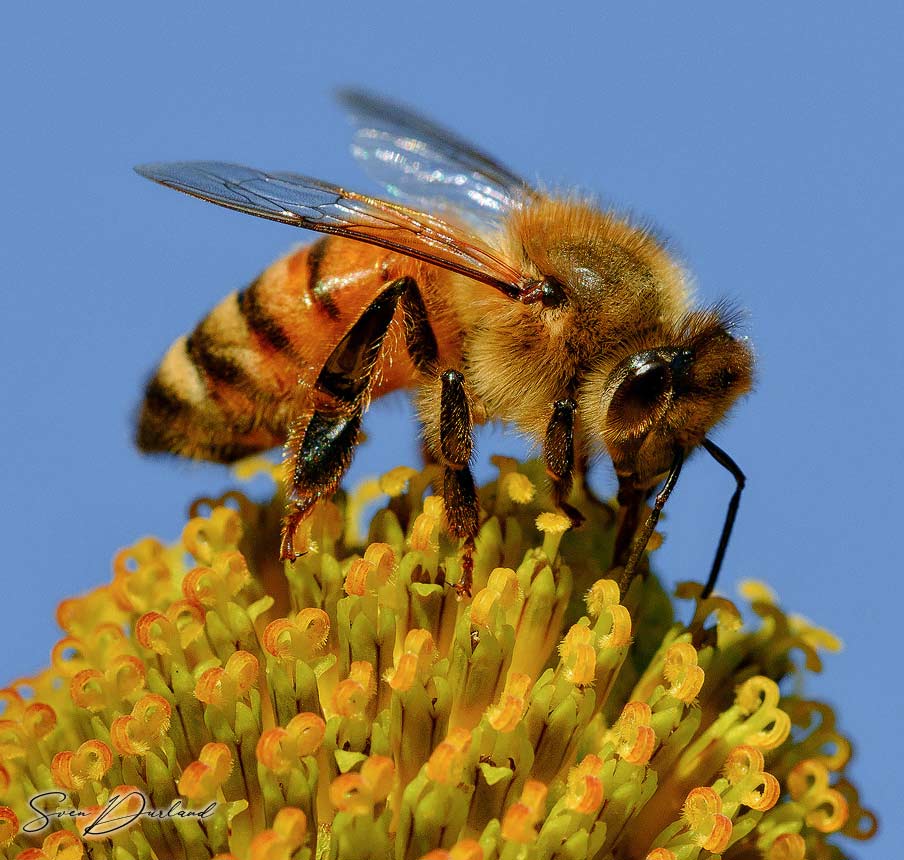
650 376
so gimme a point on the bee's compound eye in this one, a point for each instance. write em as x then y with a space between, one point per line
646 384
641 391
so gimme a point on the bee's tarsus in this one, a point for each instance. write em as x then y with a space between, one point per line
296 513
642 538
463 586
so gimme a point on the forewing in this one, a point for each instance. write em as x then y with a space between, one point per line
426 165
305 202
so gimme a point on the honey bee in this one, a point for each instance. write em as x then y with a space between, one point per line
489 298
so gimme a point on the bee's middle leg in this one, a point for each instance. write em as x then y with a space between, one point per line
322 446
456 441
558 453
451 442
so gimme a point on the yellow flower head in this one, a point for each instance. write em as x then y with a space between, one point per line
210 702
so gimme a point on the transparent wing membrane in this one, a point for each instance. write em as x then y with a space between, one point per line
305 202
417 161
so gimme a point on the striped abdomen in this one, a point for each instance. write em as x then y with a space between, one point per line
232 387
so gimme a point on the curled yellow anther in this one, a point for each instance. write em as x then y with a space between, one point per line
634 738
447 761
202 778
504 581
9 826
280 748
756 591
505 716
297 638
585 790
347 794
358 793
357 576
187 620
157 633
769 725
684 676
395 481
744 767
144 728
141 576
501 590
426 526
225 686
578 653
203 537
788 846
38 720
352 694
94 690
89 763
466 849
291 825
419 652
808 784
369 573
61 845
521 818
290 829
378 774
703 813
603 599
211 586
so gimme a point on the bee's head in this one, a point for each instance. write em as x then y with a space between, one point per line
660 399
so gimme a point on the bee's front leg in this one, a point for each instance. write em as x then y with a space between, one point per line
631 539
558 452
321 446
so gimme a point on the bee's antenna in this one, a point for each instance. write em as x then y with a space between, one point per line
723 460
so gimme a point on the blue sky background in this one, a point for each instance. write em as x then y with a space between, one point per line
765 139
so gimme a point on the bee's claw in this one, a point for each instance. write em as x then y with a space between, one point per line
294 517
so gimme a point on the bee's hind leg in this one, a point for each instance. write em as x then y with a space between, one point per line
321 445
558 454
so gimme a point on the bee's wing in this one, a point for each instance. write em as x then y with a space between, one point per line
305 202
426 165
